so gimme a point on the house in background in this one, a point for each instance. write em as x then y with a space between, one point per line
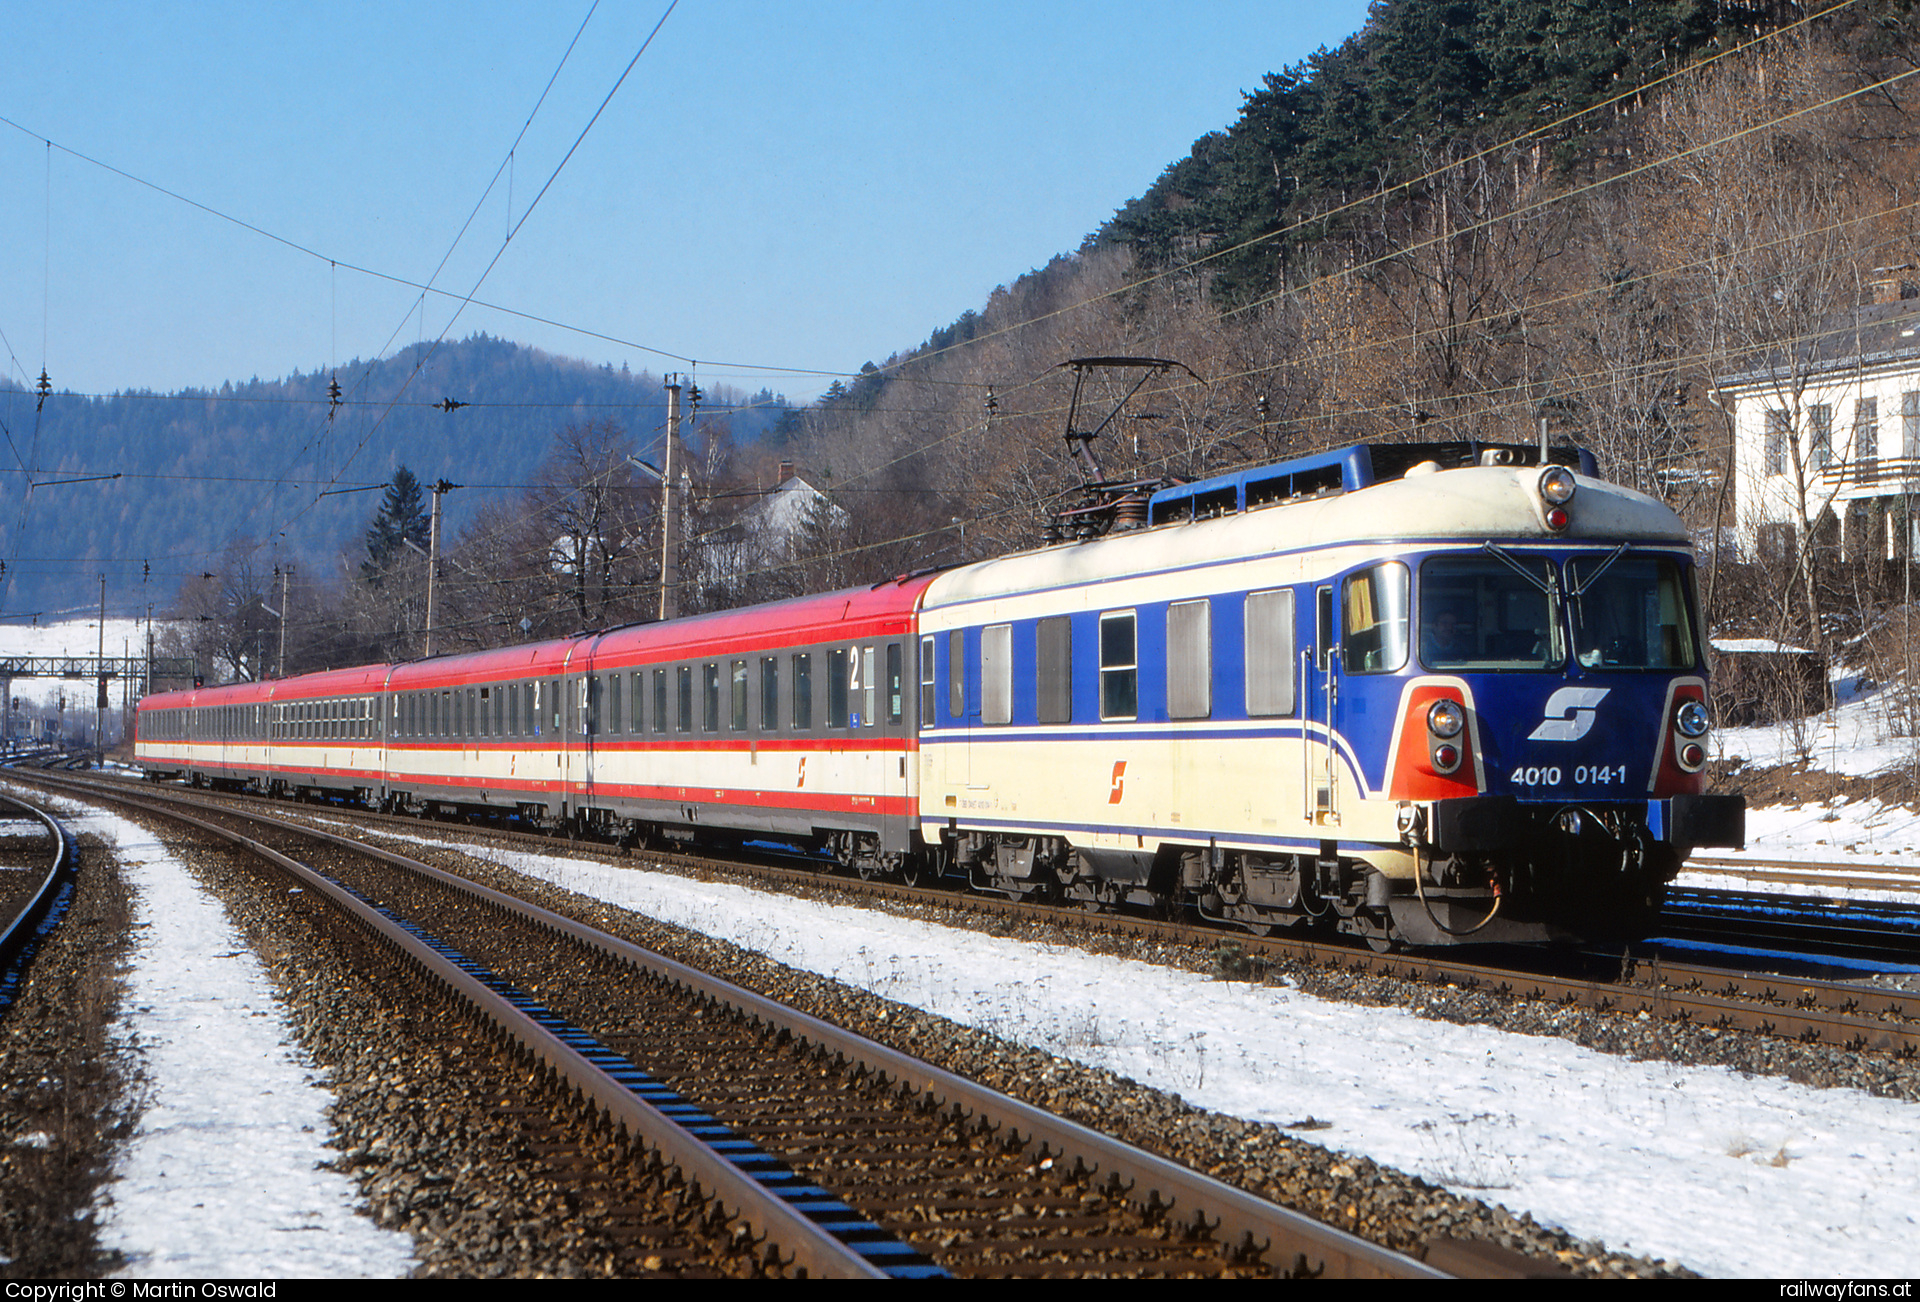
765 535
1827 434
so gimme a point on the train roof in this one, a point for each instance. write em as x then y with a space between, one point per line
881 609
357 681
1427 505
876 611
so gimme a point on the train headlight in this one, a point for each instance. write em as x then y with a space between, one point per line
1691 719
1446 718
1557 485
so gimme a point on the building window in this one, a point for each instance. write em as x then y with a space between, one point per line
1910 423
1866 434
1777 427
1819 436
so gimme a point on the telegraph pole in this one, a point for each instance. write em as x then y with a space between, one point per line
285 575
433 554
100 696
669 517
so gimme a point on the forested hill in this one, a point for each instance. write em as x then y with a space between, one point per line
200 469
1423 83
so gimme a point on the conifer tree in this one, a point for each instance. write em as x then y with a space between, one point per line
402 515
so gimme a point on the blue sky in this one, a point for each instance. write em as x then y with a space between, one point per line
805 186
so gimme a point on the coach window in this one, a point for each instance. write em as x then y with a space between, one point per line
1053 670
839 668
927 697
896 690
659 700
683 717
1374 611
996 673
593 718
770 693
1119 667
636 700
869 688
802 693
957 674
710 697
1270 660
737 696
1190 660
552 708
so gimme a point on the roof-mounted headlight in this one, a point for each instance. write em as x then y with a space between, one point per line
1557 485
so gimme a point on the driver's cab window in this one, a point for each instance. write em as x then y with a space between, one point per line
1373 609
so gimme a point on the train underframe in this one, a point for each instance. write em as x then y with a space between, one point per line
1485 869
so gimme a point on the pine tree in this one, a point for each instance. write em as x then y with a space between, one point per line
402 516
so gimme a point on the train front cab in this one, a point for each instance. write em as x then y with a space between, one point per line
1549 736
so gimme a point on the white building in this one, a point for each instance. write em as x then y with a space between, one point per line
1827 434
769 532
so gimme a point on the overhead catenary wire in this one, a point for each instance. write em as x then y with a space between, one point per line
848 486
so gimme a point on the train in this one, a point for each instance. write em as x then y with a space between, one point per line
1417 694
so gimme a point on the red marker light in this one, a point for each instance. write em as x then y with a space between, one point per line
1557 518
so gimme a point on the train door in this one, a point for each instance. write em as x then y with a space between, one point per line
592 724
891 716
957 718
1371 645
1319 713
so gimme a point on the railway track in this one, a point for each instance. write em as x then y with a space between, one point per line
38 860
1844 1014
1852 931
1895 878
911 1171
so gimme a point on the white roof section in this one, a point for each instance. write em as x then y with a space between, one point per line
1472 503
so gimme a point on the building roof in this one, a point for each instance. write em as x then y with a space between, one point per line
1871 337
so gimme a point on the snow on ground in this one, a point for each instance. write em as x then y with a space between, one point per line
1856 737
221 1180
1727 1174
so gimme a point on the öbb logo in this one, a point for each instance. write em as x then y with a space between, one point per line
1569 714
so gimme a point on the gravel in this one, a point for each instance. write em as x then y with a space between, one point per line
65 1102
422 1127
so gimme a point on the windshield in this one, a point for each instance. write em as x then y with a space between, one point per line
1631 613
1499 609
1482 612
